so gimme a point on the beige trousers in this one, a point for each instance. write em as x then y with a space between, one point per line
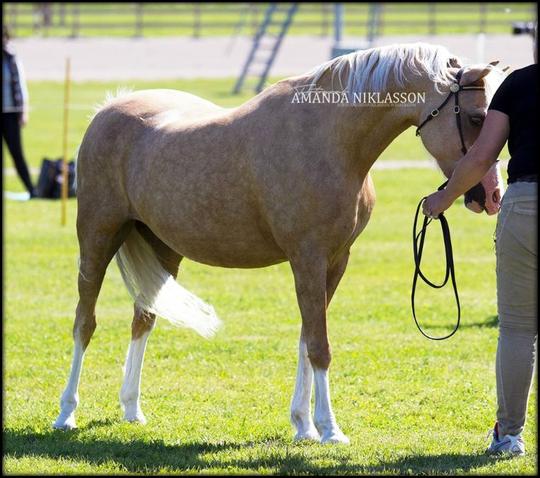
517 298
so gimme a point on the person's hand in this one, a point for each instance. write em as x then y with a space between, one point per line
23 119
436 203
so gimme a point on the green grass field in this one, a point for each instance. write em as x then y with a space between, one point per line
179 19
409 406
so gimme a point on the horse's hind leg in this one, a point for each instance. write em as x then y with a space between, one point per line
97 248
141 327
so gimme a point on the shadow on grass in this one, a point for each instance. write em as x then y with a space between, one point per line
139 456
107 422
489 322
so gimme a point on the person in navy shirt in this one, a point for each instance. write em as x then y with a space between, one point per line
512 116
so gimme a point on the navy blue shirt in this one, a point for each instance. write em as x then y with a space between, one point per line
517 97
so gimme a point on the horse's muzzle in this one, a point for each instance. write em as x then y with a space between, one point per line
475 198
487 194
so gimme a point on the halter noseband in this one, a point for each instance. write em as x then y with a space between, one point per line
455 88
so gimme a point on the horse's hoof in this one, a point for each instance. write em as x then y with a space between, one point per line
137 417
310 435
65 424
335 437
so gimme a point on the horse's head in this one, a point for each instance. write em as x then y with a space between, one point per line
449 130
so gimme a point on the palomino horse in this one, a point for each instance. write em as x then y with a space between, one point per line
164 175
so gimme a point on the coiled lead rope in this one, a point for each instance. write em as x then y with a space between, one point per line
418 246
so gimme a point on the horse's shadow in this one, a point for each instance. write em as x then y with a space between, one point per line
137 456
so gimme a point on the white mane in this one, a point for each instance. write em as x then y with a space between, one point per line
374 69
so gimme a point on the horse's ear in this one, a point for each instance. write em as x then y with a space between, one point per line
453 63
474 73
505 69
494 62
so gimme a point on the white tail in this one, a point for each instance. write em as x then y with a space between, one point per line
155 290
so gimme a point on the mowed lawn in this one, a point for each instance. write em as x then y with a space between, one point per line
113 19
409 405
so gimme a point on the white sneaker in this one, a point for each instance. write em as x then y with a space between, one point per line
508 444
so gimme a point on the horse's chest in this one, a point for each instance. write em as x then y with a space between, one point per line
355 213
331 220
349 224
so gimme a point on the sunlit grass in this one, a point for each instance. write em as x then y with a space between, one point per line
410 406
226 19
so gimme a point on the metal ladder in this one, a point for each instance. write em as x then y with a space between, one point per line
263 53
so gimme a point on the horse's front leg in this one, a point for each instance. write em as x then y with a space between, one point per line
310 274
301 402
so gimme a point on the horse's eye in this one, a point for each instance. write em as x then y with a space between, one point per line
477 120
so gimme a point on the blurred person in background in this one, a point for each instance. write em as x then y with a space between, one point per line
512 116
14 109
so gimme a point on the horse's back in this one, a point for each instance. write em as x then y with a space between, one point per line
149 109
123 119
152 108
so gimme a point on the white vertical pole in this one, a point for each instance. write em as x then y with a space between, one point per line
338 23
481 47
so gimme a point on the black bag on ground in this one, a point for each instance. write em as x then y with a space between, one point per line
50 179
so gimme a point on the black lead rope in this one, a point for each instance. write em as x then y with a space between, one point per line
418 246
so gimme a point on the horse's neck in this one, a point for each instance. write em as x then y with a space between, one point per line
365 130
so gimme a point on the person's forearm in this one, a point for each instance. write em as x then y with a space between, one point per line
468 173
472 168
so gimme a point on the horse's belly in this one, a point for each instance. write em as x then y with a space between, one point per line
243 254
235 245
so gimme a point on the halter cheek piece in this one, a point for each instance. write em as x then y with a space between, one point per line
455 88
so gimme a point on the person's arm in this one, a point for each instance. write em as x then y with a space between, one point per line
24 93
474 165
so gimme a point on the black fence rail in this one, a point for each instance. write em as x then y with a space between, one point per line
211 19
